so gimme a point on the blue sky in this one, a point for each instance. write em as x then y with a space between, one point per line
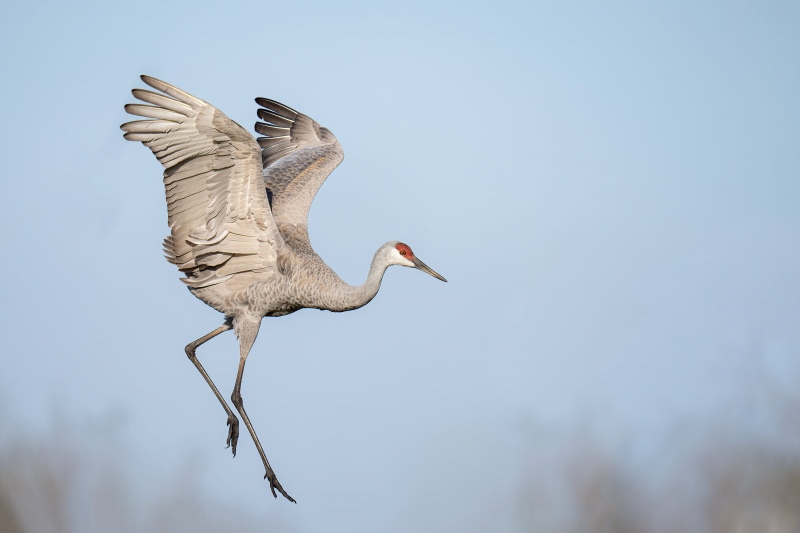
612 192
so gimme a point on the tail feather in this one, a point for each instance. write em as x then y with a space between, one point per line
169 250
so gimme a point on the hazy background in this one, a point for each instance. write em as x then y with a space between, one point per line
612 192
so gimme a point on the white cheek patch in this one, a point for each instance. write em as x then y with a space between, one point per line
400 260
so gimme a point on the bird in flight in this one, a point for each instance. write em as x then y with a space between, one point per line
237 209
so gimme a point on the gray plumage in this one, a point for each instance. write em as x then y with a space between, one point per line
237 209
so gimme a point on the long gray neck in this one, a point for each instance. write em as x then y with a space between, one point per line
355 297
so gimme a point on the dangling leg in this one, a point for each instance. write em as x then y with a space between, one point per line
247 329
233 422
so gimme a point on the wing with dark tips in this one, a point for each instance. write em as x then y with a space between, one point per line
297 155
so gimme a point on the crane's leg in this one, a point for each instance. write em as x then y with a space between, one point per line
233 422
248 330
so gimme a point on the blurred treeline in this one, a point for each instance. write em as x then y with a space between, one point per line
81 478
724 484
735 472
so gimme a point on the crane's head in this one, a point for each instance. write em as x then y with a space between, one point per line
398 253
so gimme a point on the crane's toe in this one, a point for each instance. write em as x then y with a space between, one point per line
233 433
275 484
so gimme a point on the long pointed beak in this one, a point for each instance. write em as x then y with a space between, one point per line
428 270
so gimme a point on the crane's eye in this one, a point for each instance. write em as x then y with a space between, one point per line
403 252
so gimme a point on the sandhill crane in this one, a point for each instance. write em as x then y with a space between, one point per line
238 216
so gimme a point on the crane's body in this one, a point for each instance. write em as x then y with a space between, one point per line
305 282
238 215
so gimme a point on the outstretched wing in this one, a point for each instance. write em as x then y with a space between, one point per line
298 155
217 207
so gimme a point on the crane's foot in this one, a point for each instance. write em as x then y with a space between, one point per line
275 484
233 433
